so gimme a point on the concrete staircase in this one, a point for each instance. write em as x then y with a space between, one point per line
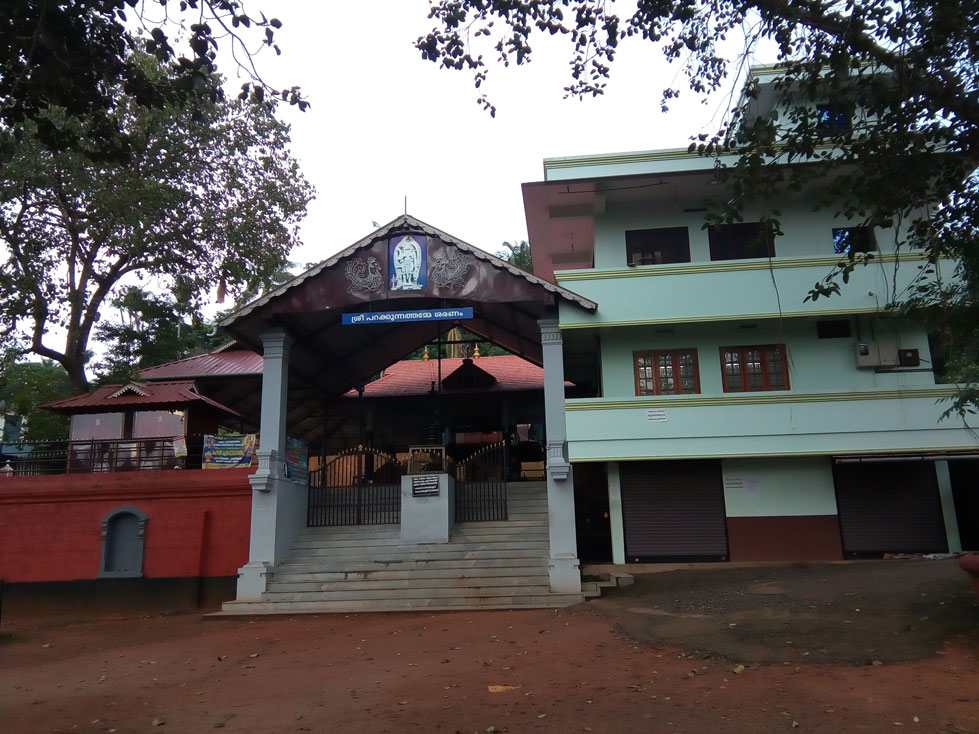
486 565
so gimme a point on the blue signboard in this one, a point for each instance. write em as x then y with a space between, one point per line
404 317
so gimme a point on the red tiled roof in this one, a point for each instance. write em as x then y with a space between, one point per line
408 377
148 395
237 362
415 376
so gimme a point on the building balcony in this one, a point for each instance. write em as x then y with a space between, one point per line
766 424
737 290
39 458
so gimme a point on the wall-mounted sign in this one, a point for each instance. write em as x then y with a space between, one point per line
404 317
229 450
425 485
179 445
297 460
656 415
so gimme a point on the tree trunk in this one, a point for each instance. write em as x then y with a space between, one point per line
76 374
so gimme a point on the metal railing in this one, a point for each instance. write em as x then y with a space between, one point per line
358 486
39 458
429 460
481 485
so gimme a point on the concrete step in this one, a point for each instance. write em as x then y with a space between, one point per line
487 537
289 565
353 531
455 565
497 524
487 565
322 541
367 562
385 532
459 538
422 556
421 573
548 601
502 531
412 585
512 591
410 551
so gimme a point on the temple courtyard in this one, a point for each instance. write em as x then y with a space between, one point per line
846 647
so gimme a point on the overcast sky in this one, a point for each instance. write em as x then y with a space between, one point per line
385 125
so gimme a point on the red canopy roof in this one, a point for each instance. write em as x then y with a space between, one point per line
416 376
147 395
216 364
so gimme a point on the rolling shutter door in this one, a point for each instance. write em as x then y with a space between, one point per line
889 507
673 510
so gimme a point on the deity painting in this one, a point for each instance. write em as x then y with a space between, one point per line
408 266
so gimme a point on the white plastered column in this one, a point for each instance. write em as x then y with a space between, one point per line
564 572
278 505
615 512
948 507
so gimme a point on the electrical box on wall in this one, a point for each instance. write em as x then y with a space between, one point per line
876 354
908 357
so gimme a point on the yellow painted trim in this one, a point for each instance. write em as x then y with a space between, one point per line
723 317
612 159
682 401
648 271
777 455
656 156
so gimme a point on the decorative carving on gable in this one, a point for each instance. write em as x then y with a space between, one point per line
364 275
131 387
450 269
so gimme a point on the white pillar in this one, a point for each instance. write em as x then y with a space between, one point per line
565 576
275 390
278 505
948 507
615 513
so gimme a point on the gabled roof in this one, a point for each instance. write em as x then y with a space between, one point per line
131 387
231 363
417 376
406 220
329 353
146 395
468 377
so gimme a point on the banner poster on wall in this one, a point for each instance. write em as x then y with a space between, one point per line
179 446
297 460
229 450
408 262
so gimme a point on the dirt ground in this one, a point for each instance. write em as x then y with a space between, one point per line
820 648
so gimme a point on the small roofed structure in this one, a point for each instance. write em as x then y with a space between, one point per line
135 425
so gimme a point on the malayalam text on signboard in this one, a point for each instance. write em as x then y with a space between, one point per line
425 485
405 317
229 450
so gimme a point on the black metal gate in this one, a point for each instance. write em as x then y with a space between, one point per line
481 485
357 487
